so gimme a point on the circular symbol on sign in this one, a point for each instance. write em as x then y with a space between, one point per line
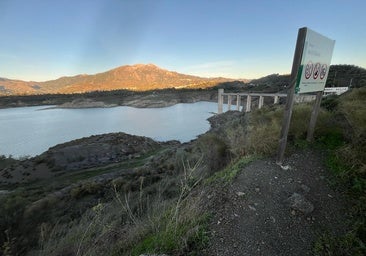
316 70
308 70
323 71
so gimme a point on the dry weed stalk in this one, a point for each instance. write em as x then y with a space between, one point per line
125 205
186 187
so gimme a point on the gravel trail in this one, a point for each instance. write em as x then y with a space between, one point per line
271 211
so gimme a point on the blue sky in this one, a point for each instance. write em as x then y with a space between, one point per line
46 39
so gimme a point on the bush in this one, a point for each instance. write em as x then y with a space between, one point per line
214 152
264 130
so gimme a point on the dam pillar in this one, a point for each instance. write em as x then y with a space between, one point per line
261 100
249 103
229 102
238 102
220 100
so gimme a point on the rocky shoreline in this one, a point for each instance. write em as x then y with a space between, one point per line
147 99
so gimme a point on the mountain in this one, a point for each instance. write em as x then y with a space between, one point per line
142 77
138 77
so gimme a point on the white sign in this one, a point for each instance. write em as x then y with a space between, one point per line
315 62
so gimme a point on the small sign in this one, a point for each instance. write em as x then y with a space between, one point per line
315 62
316 71
309 70
323 71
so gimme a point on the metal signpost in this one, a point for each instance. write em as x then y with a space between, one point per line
309 73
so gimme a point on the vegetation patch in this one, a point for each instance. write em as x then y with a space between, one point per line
230 172
182 238
346 146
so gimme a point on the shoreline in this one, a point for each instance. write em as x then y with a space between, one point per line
149 99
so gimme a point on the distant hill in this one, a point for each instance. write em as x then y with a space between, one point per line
143 77
270 83
138 77
339 76
346 75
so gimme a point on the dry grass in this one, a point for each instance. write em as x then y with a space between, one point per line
353 106
134 223
264 129
265 126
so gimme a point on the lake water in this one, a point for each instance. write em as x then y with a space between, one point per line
32 130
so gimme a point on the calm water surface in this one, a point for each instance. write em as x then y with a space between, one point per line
31 130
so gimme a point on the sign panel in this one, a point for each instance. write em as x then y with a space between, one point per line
315 62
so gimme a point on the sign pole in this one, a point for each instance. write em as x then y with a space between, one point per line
309 73
314 116
290 94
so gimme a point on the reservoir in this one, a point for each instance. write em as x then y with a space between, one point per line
29 131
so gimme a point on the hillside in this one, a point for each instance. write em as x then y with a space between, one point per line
221 194
339 76
346 75
138 77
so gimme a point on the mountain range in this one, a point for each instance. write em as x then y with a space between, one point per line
139 77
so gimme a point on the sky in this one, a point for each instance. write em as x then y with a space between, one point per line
45 39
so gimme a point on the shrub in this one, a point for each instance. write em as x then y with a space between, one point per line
214 152
264 130
238 140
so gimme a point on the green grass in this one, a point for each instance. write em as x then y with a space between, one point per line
345 143
190 235
331 140
73 176
230 172
352 105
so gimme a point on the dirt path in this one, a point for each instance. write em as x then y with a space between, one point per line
271 211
